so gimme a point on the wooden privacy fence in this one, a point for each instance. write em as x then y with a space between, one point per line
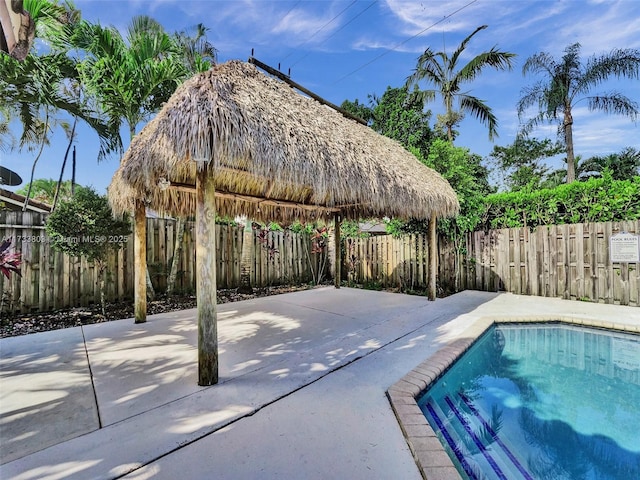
51 280
568 261
387 262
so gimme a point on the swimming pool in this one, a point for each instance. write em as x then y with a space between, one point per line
541 401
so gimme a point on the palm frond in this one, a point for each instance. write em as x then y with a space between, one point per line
493 58
614 102
428 69
541 62
482 112
619 63
530 96
463 45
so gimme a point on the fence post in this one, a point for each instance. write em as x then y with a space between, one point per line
140 269
336 231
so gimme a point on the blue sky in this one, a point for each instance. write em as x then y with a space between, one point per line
345 49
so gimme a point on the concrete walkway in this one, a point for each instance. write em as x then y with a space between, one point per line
301 394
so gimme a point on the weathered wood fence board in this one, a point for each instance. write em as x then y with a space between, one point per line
51 280
568 261
388 262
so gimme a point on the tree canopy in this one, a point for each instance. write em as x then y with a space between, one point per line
449 78
568 81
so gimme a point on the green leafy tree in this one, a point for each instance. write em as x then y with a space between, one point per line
44 190
84 226
621 165
398 114
469 178
198 54
522 163
567 82
449 78
361 110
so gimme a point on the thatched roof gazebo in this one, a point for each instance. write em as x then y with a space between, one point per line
235 141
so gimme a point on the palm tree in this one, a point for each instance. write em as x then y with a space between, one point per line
445 73
6 138
131 77
199 55
568 81
37 83
34 90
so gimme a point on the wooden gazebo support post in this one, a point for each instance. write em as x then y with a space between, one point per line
338 263
206 278
433 257
140 263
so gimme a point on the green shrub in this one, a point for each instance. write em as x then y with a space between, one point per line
596 200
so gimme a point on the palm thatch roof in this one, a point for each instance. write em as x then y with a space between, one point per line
274 154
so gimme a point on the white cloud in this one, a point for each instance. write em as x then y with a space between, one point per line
304 23
603 27
416 16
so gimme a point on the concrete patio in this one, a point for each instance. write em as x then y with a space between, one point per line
302 387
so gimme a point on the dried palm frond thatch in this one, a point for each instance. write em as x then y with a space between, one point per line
274 154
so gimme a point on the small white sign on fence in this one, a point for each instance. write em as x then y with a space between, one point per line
624 247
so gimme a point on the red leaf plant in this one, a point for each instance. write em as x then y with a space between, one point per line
319 240
9 261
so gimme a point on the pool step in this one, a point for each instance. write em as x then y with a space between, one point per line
478 448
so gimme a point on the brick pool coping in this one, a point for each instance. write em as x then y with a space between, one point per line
432 460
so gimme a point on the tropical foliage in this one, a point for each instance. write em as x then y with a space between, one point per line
37 88
131 77
44 190
449 78
84 226
521 164
568 81
622 165
398 114
596 200
9 261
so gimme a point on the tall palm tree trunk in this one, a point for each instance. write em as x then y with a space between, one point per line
568 135
64 163
35 161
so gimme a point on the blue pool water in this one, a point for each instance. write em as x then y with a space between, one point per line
542 402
